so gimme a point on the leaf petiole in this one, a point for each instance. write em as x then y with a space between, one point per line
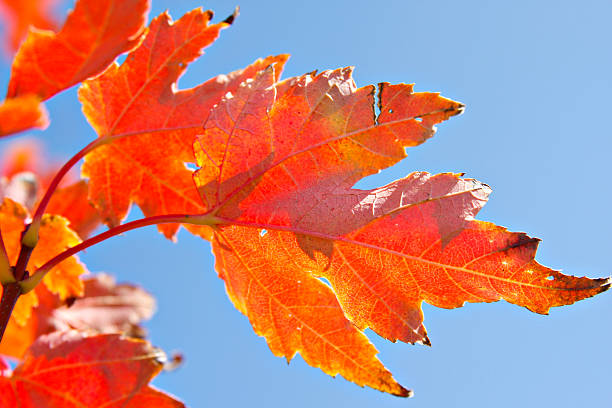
195 219
42 205
10 294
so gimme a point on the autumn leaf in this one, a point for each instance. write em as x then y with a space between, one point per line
19 15
94 34
55 237
22 113
73 369
278 160
72 202
296 312
104 307
139 100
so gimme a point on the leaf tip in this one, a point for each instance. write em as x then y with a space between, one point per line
460 108
605 284
230 19
425 341
404 393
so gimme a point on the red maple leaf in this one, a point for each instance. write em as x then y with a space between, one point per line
72 369
278 161
137 104
311 261
94 34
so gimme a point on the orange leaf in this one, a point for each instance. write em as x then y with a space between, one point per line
139 100
105 307
19 15
278 161
22 113
55 236
73 203
17 338
296 312
94 34
72 369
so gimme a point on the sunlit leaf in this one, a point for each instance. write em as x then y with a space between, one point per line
72 369
94 34
139 100
278 161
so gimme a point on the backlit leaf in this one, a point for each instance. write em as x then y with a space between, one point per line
73 203
94 34
74 370
296 312
278 161
22 113
139 100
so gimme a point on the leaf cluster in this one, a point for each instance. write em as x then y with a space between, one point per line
310 260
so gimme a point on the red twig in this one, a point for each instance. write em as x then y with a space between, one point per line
42 205
36 277
10 293
29 238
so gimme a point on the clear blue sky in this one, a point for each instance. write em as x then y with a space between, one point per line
536 79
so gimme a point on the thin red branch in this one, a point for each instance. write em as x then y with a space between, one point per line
29 237
42 205
204 219
10 293
22 260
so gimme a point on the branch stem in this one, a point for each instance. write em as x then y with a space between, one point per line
200 219
29 238
10 293
42 205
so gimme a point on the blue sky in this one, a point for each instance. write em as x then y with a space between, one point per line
535 77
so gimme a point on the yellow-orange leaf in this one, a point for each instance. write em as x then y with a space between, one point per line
55 236
94 34
22 113
139 100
